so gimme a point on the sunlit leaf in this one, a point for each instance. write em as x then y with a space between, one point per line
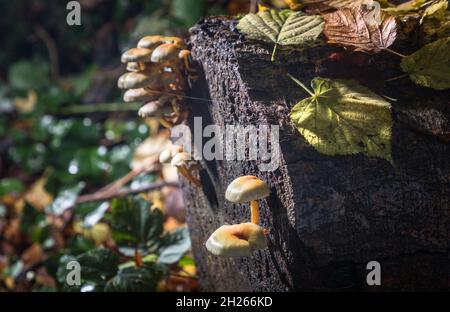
405 8
342 118
436 10
174 252
430 66
360 30
283 28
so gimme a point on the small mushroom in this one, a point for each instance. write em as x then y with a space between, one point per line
134 80
237 240
133 67
248 189
166 52
155 109
137 55
140 95
181 162
166 155
185 55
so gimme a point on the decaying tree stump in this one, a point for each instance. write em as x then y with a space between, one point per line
327 216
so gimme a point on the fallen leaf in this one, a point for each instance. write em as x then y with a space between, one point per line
343 117
356 28
33 255
37 196
283 28
436 10
26 105
405 8
430 66
325 5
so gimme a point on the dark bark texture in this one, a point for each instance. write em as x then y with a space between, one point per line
327 216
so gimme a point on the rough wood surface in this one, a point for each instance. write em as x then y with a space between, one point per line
327 216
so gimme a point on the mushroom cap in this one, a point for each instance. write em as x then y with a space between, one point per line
180 159
246 188
133 67
139 95
154 109
237 240
137 55
150 42
167 154
134 80
166 52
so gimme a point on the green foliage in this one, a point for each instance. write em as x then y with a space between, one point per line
342 117
430 66
137 279
25 75
10 185
135 225
283 28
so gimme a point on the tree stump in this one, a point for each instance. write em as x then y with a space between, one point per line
327 216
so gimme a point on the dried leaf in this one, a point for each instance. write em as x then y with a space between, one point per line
325 5
283 28
430 66
358 29
405 8
342 117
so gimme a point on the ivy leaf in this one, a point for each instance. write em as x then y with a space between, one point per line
284 28
343 117
136 279
136 225
430 66
360 29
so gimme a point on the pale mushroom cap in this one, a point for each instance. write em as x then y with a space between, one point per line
139 95
133 67
137 55
166 155
166 52
180 159
133 81
237 240
154 109
150 42
245 189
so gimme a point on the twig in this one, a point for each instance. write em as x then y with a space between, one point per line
394 52
42 34
124 192
100 107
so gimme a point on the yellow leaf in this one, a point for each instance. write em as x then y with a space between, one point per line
28 104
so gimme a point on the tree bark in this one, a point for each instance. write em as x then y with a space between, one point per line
327 216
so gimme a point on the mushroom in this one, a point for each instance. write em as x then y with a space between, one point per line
166 155
248 189
137 55
166 52
140 95
134 80
237 240
133 67
181 162
151 42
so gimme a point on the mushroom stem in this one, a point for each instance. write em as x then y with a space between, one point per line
254 212
138 258
166 123
187 174
141 66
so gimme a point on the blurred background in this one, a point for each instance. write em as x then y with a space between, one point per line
77 166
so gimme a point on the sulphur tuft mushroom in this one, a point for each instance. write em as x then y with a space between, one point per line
139 95
248 189
237 240
182 162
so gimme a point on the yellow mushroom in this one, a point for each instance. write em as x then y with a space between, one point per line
237 240
140 95
248 189
133 67
166 155
181 162
137 55
151 42
134 80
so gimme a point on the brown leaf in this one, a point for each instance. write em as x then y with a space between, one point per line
358 29
33 255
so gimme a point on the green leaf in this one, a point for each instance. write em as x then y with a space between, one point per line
10 185
135 224
97 266
436 10
175 252
283 28
136 279
342 118
25 75
430 66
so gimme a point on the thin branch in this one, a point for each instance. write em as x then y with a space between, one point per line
53 56
123 192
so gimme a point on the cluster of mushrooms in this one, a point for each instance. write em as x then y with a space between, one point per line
159 70
240 240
